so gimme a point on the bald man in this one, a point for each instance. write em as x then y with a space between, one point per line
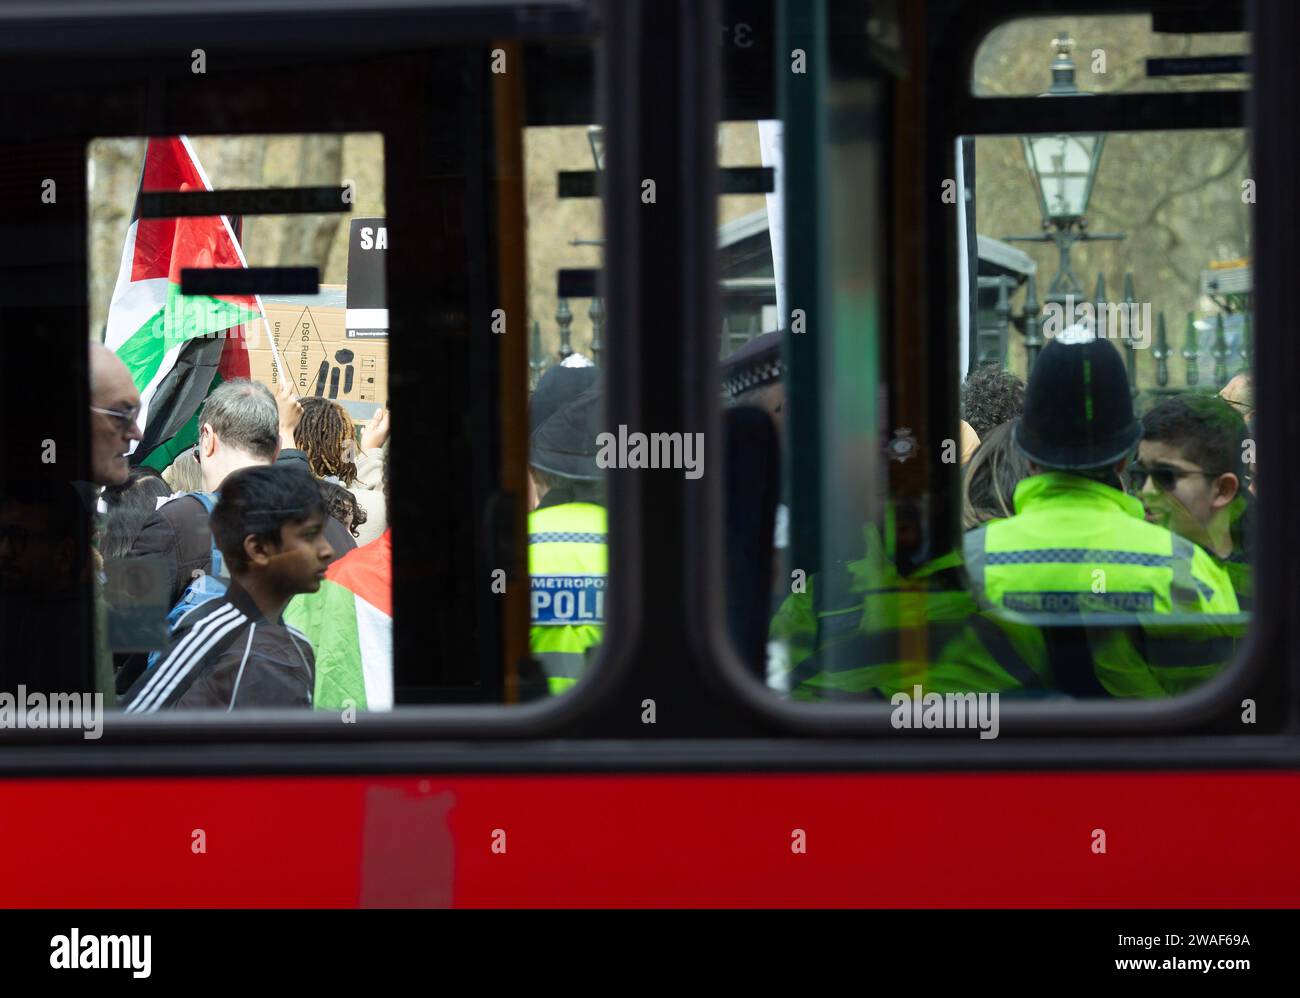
1240 394
114 409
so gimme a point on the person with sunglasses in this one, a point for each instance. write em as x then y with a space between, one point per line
1078 545
114 416
114 430
1191 479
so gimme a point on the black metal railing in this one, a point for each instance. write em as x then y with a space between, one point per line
1229 359
737 330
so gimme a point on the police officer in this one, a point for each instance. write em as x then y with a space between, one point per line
555 389
752 375
567 555
871 632
1078 543
752 378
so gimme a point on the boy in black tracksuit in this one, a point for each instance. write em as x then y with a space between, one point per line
235 651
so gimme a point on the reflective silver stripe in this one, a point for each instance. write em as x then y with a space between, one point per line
973 553
566 537
1077 556
1184 588
560 664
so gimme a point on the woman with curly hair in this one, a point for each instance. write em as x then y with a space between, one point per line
325 434
990 396
327 437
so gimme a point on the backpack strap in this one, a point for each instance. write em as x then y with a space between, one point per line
209 501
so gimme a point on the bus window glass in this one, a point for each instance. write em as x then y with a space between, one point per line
1100 482
243 409
1108 470
567 518
241 382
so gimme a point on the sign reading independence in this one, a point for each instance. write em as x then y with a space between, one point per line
367 304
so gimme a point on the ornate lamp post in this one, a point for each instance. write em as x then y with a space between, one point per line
1063 168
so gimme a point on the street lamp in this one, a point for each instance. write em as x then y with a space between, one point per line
1063 168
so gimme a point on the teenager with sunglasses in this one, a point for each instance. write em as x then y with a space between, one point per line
1191 478
1077 544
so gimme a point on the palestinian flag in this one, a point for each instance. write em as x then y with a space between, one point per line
349 624
176 347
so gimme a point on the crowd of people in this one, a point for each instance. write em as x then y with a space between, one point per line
257 565
255 570
206 565
1104 554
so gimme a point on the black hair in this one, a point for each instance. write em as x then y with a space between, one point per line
757 395
990 396
1209 432
259 501
572 489
129 505
341 503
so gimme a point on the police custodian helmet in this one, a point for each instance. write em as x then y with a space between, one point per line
1078 408
568 443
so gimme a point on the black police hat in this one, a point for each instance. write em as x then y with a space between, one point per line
557 387
756 363
1078 408
566 444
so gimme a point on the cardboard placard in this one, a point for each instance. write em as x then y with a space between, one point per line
318 355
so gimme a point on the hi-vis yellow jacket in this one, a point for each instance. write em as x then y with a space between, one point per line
864 629
567 565
1076 551
1078 546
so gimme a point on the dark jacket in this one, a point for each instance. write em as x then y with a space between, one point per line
178 535
1240 564
226 655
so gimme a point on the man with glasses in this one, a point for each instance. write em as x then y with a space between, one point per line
1191 479
114 427
114 415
